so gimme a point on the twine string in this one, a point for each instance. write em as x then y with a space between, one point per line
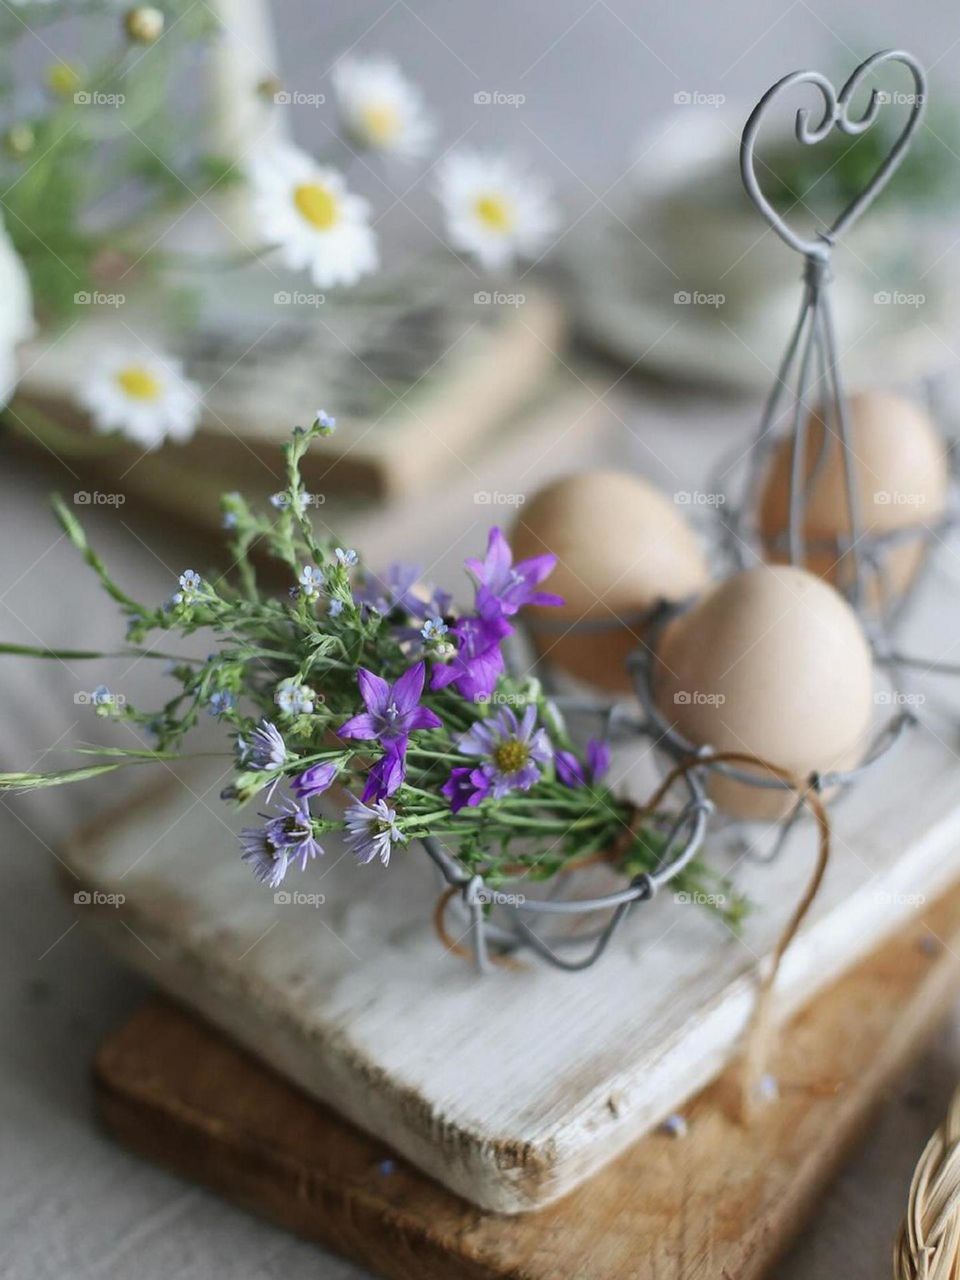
757 1042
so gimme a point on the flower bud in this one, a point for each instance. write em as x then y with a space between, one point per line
144 24
20 139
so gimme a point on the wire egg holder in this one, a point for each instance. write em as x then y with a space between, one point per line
862 554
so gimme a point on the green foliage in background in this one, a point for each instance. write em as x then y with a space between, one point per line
96 148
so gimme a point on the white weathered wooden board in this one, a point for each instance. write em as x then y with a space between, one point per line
512 1088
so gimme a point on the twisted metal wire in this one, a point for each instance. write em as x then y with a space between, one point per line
811 345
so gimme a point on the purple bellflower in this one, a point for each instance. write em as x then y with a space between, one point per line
392 713
573 772
511 585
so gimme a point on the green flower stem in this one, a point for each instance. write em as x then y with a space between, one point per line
32 424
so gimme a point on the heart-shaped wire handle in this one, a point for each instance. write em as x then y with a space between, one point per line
836 114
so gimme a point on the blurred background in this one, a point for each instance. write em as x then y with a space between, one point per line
632 112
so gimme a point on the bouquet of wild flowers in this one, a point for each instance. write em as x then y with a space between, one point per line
376 686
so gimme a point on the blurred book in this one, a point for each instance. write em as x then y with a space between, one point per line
567 424
413 385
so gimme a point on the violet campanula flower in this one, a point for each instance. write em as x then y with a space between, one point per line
478 663
511 585
511 751
573 772
392 589
392 711
466 786
387 774
314 780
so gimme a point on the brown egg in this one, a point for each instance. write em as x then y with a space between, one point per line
774 663
621 546
901 476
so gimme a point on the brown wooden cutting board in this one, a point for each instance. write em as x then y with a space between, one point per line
720 1203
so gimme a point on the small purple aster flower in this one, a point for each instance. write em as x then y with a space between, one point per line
221 702
269 864
573 773
266 748
393 711
285 839
511 750
313 781
511 585
466 786
372 831
292 832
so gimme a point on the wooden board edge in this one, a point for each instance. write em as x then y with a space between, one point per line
312 1202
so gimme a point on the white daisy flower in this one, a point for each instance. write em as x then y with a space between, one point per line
382 109
495 210
142 395
308 213
16 313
